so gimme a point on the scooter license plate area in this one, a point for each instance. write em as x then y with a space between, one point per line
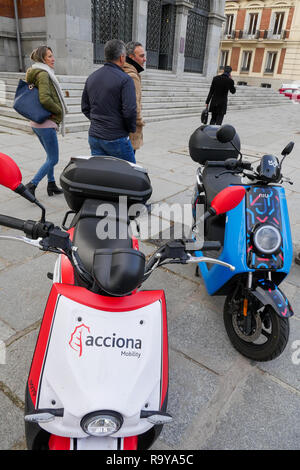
263 208
102 360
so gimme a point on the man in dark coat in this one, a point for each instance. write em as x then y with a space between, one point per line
218 95
109 102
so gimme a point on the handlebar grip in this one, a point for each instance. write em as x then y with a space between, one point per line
216 164
247 166
32 229
12 222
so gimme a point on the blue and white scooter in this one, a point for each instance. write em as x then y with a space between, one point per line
255 237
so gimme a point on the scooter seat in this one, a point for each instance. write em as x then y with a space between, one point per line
213 183
94 231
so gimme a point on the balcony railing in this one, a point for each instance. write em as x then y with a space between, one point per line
269 34
229 35
245 35
266 34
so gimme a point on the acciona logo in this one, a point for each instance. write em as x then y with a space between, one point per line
81 339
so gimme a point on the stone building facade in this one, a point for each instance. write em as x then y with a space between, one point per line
179 35
261 41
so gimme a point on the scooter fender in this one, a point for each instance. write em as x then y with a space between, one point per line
268 293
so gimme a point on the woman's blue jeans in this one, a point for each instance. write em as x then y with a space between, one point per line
120 148
48 139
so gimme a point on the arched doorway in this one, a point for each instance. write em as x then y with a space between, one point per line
111 19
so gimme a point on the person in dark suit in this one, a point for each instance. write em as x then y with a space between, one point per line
218 95
109 102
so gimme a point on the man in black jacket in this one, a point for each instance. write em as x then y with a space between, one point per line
218 95
109 102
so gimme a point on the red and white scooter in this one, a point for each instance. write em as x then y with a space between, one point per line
99 374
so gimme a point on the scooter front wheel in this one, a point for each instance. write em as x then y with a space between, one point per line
266 336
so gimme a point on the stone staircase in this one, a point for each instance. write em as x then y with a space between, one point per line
164 97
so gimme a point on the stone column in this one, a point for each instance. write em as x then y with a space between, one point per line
216 19
182 11
139 29
69 34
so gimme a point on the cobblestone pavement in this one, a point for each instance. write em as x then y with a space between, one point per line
218 399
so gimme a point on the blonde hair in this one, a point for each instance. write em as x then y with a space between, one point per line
39 54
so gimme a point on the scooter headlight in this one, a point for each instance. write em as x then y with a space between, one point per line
101 423
267 239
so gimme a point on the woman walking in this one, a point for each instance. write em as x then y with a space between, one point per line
42 75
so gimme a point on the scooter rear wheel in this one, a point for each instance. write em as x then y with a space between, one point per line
269 334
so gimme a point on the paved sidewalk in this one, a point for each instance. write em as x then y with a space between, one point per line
218 399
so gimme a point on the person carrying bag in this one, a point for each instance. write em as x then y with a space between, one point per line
41 75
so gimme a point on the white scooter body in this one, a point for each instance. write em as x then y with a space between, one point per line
99 353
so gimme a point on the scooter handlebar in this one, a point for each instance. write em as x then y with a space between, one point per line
32 229
179 251
12 222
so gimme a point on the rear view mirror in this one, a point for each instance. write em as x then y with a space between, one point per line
10 174
226 133
287 150
228 199
11 178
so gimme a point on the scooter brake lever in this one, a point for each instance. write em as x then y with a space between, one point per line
203 259
285 179
28 241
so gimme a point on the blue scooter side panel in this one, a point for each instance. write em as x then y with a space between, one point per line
234 252
235 245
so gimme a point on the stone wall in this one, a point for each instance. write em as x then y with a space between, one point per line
32 26
66 26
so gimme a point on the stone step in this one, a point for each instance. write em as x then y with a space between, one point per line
77 127
188 98
155 107
74 103
165 96
74 96
12 131
198 109
18 124
148 85
197 103
78 82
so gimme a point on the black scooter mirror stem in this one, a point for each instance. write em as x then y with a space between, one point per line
24 192
239 152
291 145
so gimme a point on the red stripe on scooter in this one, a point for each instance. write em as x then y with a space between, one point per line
135 243
71 233
41 345
59 443
165 354
109 304
130 443
67 271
